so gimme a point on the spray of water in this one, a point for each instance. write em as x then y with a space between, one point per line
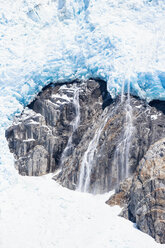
121 157
75 123
88 159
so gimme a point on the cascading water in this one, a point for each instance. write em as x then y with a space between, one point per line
88 159
75 123
47 40
121 157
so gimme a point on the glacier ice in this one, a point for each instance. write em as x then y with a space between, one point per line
120 41
41 41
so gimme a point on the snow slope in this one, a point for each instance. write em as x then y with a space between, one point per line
38 213
45 40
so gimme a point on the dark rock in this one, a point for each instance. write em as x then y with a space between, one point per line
44 137
47 123
97 143
159 105
147 195
144 199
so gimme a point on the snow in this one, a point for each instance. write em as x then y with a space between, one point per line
28 140
154 117
63 97
52 40
37 212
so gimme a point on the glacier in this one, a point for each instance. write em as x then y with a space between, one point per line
120 41
42 41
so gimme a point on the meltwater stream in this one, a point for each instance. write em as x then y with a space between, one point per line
75 123
121 157
48 40
88 159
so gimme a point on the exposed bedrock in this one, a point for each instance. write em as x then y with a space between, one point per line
143 197
77 125
40 135
147 194
78 132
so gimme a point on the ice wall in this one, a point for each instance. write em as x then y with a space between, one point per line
44 40
50 40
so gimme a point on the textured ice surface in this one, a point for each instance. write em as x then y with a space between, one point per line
120 41
45 40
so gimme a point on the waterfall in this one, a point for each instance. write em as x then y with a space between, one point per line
75 123
121 157
88 159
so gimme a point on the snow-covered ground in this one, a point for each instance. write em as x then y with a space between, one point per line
39 213
45 40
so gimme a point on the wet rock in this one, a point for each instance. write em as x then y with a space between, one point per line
48 135
39 136
76 127
148 127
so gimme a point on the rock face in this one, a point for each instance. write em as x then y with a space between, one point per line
143 198
147 194
78 128
41 133
121 197
95 143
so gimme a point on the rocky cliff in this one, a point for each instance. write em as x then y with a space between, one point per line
91 142
147 193
143 196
